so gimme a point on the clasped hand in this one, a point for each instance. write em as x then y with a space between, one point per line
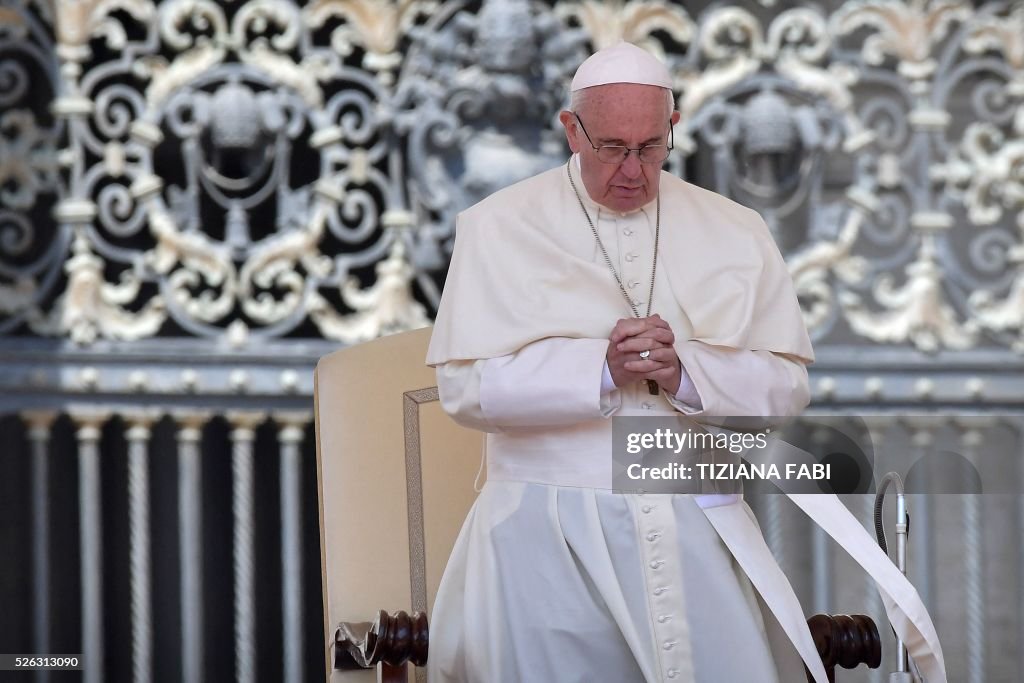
629 338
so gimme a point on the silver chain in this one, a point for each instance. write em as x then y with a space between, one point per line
607 259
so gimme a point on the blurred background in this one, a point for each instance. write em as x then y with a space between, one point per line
199 199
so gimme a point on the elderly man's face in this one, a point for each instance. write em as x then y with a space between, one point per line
620 114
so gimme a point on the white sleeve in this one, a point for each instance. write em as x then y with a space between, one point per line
554 381
739 382
607 382
458 389
687 398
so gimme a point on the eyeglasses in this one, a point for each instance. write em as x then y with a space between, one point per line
616 154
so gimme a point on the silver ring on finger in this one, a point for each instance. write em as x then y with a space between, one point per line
644 355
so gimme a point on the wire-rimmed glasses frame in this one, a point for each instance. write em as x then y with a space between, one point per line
616 154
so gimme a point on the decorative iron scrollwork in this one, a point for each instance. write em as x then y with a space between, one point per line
268 169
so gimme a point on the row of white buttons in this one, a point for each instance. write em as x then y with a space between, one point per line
632 282
655 563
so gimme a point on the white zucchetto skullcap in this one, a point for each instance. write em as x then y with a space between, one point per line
621 63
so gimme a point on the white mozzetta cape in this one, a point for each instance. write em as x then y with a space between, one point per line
519 276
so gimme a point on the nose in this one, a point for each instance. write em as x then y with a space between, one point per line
631 166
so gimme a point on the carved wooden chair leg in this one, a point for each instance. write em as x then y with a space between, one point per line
393 674
845 640
392 640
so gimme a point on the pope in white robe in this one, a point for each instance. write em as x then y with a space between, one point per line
570 296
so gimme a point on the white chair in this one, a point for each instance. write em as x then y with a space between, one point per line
395 478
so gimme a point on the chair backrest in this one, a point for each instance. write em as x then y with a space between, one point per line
395 478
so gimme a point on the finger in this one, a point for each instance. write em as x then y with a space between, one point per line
657 329
661 374
638 344
618 331
637 326
644 367
659 335
627 328
662 354
656 321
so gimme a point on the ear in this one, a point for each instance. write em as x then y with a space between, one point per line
572 131
675 118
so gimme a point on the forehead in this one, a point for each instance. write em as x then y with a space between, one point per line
626 111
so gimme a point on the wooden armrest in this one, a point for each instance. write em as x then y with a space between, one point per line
845 640
398 638
392 639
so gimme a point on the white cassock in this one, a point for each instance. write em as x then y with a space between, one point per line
555 577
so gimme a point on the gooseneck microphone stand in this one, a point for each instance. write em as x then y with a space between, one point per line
902 673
